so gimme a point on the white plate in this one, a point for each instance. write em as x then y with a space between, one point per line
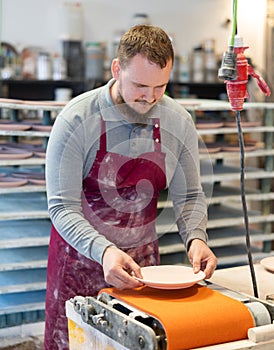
170 276
268 263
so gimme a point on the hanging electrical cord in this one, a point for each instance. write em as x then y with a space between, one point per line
234 23
244 205
234 71
242 170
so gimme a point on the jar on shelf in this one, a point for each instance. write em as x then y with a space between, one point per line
94 60
44 66
59 68
210 61
198 65
184 68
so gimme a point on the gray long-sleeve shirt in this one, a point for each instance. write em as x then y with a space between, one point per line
72 148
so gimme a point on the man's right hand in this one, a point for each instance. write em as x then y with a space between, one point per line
119 268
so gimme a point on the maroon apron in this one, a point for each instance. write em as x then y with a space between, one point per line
120 201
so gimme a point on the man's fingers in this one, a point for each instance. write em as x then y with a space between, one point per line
196 266
210 268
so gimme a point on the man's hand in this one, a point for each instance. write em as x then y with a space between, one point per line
119 268
201 257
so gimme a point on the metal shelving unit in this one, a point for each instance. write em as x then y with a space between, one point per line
24 224
25 227
226 224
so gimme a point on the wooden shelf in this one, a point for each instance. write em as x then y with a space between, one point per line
23 258
19 288
22 162
226 130
236 155
18 309
28 188
24 133
220 173
219 216
20 234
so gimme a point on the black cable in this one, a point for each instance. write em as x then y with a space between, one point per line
244 206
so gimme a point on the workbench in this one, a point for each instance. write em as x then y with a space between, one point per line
239 279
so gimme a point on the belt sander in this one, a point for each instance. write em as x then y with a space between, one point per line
204 316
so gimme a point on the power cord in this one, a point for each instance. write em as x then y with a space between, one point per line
244 206
229 73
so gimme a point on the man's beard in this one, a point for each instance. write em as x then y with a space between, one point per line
129 112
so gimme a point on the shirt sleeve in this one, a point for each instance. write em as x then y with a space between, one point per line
185 188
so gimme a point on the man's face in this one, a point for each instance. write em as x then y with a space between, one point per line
141 84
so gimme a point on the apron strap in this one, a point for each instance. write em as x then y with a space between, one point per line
103 137
156 134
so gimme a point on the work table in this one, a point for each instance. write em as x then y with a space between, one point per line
239 279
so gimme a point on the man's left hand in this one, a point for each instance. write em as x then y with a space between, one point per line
202 258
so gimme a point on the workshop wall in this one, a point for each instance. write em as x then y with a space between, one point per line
37 23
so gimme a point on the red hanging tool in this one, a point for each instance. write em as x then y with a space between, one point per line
235 71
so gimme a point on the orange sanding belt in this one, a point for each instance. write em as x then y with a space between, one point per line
192 317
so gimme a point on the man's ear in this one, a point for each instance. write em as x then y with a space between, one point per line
115 68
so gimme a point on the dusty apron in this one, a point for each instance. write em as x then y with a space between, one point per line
120 201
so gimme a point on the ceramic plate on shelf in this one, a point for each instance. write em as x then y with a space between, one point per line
40 154
14 153
14 126
28 147
170 276
28 174
37 181
11 182
268 263
208 125
233 124
10 100
210 148
236 148
45 103
41 127
36 178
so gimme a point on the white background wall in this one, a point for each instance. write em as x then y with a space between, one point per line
38 22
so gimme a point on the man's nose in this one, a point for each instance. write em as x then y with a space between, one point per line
149 95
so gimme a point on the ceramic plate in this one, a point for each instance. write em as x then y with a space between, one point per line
208 125
268 263
36 127
45 103
37 182
14 153
210 148
40 154
233 124
30 147
12 182
14 126
29 175
32 177
9 100
170 276
236 148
